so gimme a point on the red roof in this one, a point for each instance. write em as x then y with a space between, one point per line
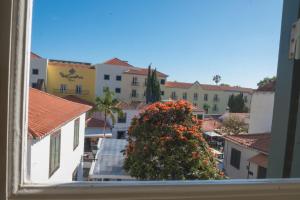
259 141
76 99
48 112
143 71
210 125
34 56
96 123
175 84
117 61
260 159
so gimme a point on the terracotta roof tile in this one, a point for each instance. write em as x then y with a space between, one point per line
77 99
96 123
48 112
34 56
175 84
210 125
260 159
259 141
117 61
143 71
134 105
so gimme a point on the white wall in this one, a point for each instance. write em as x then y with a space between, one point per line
130 114
246 154
112 83
261 112
69 159
41 65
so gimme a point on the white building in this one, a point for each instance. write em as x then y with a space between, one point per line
130 110
246 156
261 112
38 71
109 74
56 138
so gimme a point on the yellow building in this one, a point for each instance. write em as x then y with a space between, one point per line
71 78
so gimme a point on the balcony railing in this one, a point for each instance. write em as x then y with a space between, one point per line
135 83
70 92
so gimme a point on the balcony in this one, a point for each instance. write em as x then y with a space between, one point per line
135 83
70 92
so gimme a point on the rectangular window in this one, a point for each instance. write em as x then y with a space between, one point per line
235 158
146 81
135 80
122 118
34 85
215 107
117 90
184 95
35 71
162 81
173 95
261 172
162 93
216 97
121 134
76 133
106 77
205 97
245 99
78 89
54 152
118 78
196 96
63 88
133 93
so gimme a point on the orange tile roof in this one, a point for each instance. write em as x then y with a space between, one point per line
210 125
143 71
93 122
134 105
117 61
48 112
34 56
260 159
175 84
259 141
77 99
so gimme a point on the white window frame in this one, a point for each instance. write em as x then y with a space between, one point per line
15 20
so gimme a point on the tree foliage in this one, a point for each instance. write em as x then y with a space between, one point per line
234 125
165 143
152 87
236 104
265 81
107 105
217 79
206 107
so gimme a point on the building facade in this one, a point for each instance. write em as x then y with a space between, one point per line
246 156
71 78
38 71
214 96
56 138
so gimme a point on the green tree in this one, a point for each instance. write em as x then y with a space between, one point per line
236 104
107 105
165 143
233 125
206 107
152 87
265 81
224 84
217 79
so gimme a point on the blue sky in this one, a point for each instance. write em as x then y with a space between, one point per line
188 39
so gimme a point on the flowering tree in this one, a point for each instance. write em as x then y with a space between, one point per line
165 143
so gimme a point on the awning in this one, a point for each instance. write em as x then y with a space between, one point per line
212 134
260 159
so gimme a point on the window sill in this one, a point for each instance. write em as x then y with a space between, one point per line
226 189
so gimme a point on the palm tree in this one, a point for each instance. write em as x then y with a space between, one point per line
107 104
217 79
